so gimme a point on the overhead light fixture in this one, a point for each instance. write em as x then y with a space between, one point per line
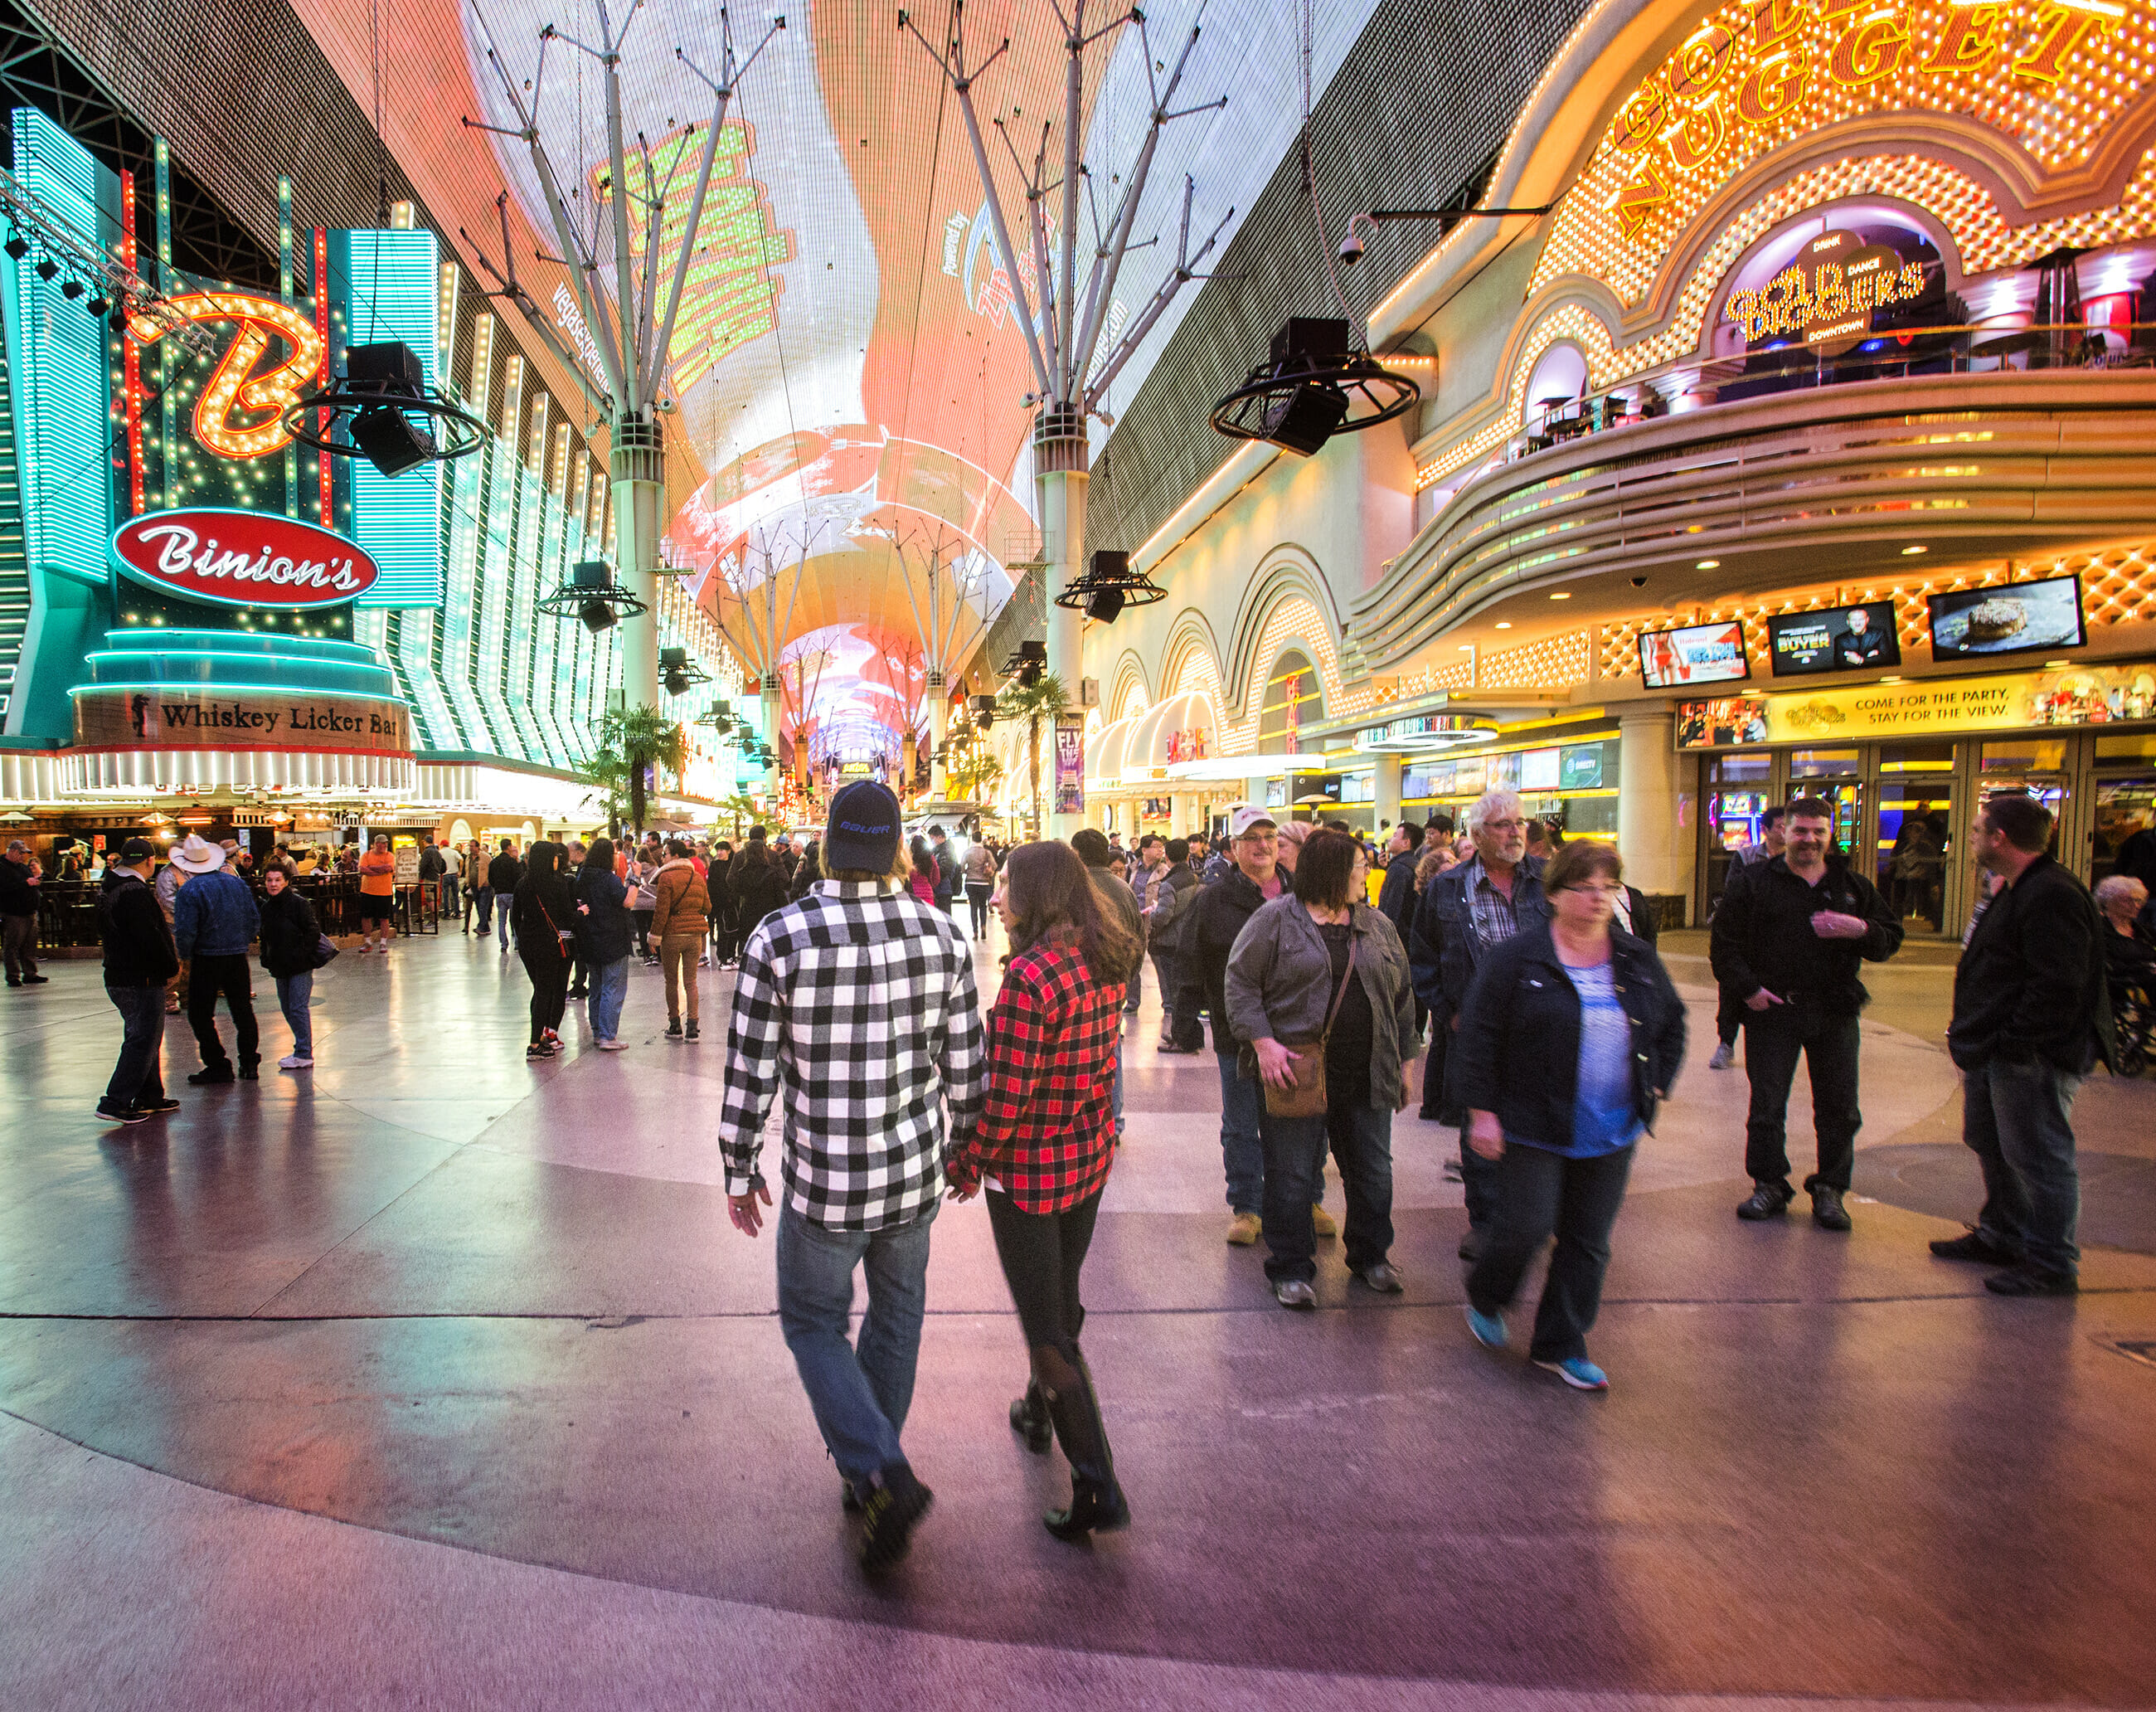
1708 564
18 246
384 403
1561 594
47 268
1504 624
1911 551
100 306
1305 395
2056 665
72 288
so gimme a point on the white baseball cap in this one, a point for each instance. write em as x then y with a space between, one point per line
1247 816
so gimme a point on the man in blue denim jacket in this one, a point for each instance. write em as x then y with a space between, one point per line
214 919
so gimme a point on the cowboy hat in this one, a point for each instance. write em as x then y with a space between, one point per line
195 856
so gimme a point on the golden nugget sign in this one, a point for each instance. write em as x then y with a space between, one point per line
1762 69
234 388
1828 294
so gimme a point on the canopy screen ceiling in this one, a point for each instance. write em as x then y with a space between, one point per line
847 370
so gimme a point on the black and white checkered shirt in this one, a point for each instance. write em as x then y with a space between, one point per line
862 1000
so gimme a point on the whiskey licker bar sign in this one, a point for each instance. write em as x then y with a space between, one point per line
242 558
199 717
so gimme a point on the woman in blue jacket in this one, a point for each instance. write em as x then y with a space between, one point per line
1571 1036
604 936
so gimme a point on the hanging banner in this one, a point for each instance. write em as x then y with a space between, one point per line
1070 763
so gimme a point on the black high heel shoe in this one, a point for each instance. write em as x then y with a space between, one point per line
1029 1420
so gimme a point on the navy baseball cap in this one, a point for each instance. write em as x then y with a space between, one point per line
863 832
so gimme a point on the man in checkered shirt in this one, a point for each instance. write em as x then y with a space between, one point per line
861 1000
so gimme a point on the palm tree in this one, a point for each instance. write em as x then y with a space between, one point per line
631 742
1035 704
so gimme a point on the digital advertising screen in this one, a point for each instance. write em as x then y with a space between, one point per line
1840 639
2012 620
1698 654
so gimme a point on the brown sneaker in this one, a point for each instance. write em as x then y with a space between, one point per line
1322 1221
1243 1230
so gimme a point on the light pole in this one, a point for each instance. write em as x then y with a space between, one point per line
631 337
1064 317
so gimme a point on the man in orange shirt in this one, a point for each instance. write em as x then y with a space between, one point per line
377 895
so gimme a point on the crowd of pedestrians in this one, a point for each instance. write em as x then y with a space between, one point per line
1494 977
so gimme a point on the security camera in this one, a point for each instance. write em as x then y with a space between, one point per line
1639 581
1351 250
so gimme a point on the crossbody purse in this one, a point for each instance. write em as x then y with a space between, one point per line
1304 1096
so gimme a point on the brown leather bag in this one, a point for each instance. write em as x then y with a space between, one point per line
1305 1097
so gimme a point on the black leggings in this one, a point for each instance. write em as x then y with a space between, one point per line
978 896
1042 1254
550 990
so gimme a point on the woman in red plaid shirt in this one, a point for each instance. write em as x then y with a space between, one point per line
1043 1144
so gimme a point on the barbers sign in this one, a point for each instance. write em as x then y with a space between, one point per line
242 558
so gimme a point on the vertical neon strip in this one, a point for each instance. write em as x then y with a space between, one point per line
322 326
167 453
131 355
284 295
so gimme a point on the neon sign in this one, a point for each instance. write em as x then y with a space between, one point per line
1828 294
234 386
242 558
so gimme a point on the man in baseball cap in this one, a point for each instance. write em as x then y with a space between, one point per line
1208 934
859 1000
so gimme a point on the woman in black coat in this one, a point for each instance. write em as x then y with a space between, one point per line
605 933
758 885
543 913
291 941
1570 1038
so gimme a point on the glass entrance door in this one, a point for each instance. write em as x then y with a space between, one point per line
1913 848
2125 809
1739 789
1837 775
2034 764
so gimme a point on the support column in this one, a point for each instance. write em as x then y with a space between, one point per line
638 474
774 703
1060 459
1654 831
939 738
1178 814
1388 803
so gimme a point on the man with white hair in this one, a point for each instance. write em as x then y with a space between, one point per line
1485 900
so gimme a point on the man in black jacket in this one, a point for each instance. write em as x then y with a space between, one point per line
1789 937
139 958
504 875
2032 1018
1210 923
1174 890
18 913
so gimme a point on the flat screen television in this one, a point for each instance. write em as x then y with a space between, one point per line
2013 617
1698 654
1840 639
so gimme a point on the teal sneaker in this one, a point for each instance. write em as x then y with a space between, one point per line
1579 1373
1489 1329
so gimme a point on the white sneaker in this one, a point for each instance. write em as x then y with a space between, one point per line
293 1061
612 1046
1725 1054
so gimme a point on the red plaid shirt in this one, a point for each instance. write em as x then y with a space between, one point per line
1048 1131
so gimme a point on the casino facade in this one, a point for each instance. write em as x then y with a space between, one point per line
206 625
1795 430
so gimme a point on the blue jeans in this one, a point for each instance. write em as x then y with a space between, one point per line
293 993
138 1079
859 1396
1361 1138
1242 1149
483 899
609 987
2017 1119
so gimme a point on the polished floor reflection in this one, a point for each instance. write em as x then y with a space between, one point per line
435 1377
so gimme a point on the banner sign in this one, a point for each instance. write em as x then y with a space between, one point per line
2073 695
242 558
1070 763
189 716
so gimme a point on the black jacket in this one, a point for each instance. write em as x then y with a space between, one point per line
1210 923
1174 893
1517 1052
503 873
602 923
290 935
1396 897
542 910
138 943
431 864
2031 981
758 885
18 896
1763 935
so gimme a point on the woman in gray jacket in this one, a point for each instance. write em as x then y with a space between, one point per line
1295 956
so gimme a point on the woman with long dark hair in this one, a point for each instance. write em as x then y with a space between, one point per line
1043 1144
603 930
542 911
